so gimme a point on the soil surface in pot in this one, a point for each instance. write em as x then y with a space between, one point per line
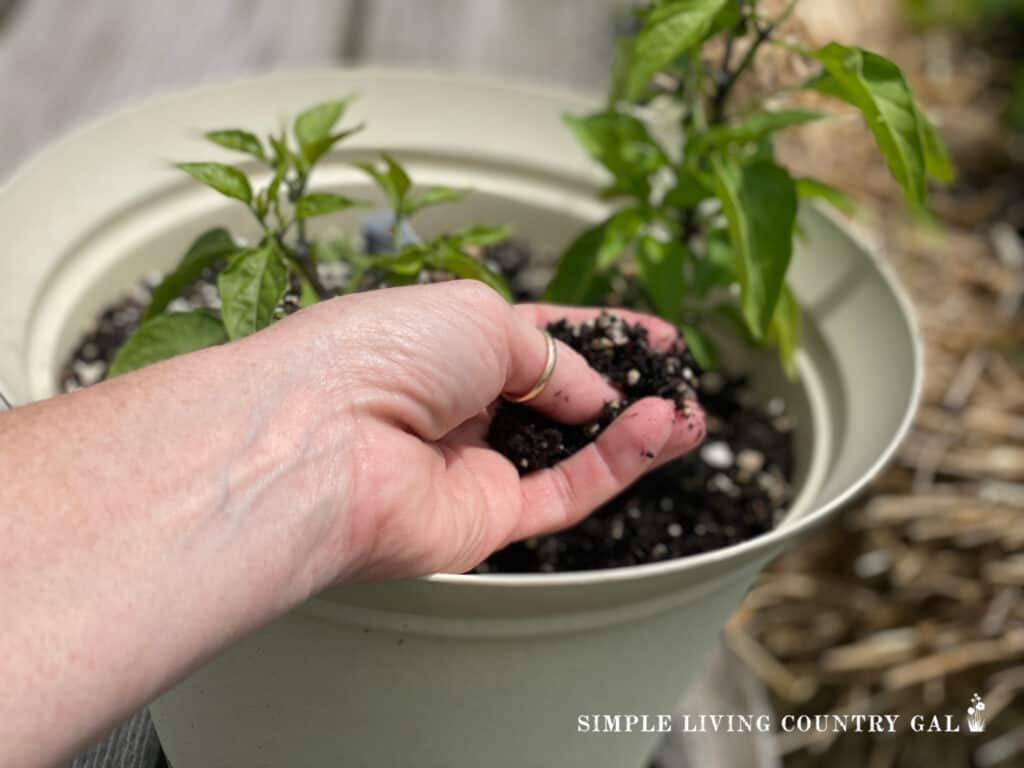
731 489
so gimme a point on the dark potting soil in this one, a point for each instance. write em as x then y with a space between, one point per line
619 352
729 490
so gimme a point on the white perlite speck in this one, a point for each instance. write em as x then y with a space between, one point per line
750 461
717 455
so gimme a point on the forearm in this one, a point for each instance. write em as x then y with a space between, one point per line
131 549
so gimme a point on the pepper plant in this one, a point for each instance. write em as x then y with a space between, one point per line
704 223
252 280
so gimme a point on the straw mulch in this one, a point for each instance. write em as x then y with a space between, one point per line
912 601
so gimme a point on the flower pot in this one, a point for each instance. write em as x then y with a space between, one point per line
449 670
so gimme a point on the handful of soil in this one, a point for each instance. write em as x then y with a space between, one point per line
622 353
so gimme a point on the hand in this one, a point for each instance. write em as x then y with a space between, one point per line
406 377
213 492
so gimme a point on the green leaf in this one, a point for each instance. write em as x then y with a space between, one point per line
623 145
660 265
876 87
576 268
400 181
938 163
688 190
701 347
261 203
433 196
407 262
316 123
670 28
619 232
759 202
480 236
315 150
282 153
599 290
728 18
716 268
225 179
393 180
808 187
166 336
619 80
207 249
251 288
307 293
320 203
332 251
462 265
241 141
1015 109
784 330
752 128
275 181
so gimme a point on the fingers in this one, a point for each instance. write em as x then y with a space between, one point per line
649 433
574 393
660 333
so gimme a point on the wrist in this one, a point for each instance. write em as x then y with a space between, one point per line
295 468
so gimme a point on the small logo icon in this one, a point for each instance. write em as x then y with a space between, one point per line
976 715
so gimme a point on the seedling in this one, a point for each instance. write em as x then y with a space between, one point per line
253 280
704 222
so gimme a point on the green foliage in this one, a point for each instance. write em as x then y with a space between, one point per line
210 247
319 203
759 203
1016 111
576 268
251 288
227 180
810 188
785 328
876 87
255 279
670 27
396 185
165 336
701 346
660 264
455 260
624 146
707 230
393 181
751 128
963 13
242 141
313 131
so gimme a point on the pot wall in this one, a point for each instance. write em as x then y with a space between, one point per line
450 670
325 687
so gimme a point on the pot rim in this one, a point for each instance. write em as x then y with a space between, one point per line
750 548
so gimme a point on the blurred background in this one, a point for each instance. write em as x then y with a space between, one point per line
912 601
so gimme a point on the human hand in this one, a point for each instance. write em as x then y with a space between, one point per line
399 382
214 491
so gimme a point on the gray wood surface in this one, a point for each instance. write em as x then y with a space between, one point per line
65 61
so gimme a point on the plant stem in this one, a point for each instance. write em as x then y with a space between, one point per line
305 268
396 230
727 79
301 254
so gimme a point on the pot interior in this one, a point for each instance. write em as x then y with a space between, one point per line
545 210
125 213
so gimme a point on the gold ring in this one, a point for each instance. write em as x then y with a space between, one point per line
549 368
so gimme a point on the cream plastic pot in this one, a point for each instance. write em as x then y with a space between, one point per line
448 671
